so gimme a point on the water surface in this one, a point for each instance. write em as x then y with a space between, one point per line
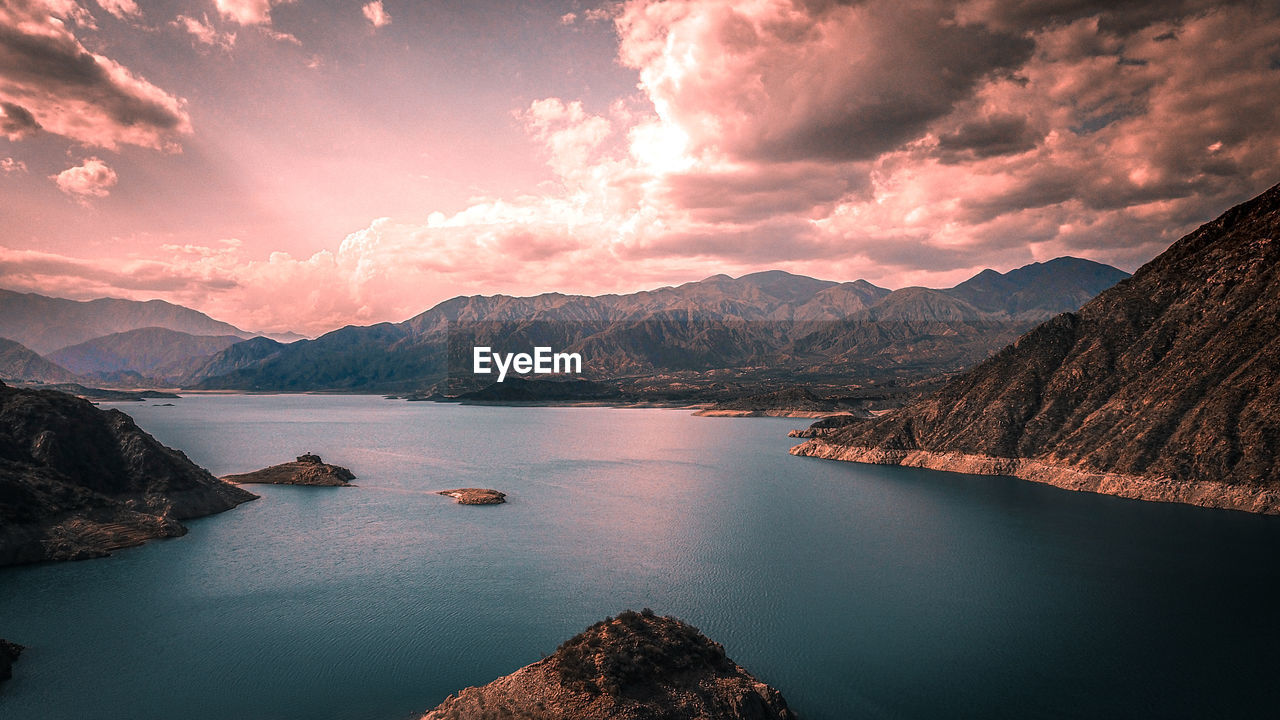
859 591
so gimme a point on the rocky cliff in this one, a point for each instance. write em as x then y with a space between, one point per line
78 482
1165 387
638 665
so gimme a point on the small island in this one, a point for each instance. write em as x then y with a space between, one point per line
308 469
475 496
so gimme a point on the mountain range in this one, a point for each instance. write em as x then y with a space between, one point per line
152 352
45 324
1165 387
770 319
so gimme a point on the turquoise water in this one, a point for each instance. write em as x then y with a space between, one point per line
859 591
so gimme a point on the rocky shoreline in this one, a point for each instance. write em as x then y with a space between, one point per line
780 412
1155 489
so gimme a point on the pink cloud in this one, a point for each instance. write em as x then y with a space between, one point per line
203 31
904 143
69 91
376 14
245 12
122 9
90 179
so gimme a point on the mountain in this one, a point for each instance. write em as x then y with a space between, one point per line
79 482
24 365
638 666
45 324
770 319
152 352
1039 290
1165 387
917 304
241 355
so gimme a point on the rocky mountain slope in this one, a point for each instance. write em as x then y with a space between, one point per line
78 482
1166 387
636 666
25 365
154 352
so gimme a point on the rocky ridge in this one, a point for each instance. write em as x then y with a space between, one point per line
1166 387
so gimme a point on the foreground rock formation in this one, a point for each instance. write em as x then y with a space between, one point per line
636 666
308 469
78 482
475 496
8 653
1166 387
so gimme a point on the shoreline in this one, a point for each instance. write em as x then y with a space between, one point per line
1207 494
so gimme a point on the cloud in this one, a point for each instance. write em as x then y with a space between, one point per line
245 12
778 81
90 179
72 92
375 14
122 9
905 143
204 32
9 166
16 122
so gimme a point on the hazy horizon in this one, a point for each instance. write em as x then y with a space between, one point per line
308 164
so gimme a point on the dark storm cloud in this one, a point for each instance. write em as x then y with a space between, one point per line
87 97
987 137
16 121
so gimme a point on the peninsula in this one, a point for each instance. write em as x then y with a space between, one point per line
78 482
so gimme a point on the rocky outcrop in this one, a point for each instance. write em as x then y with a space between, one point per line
636 666
9 652
475 496
1166 387
308 469
78 482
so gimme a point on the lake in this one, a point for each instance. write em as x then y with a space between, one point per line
858 591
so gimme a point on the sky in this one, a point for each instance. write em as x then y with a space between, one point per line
307 164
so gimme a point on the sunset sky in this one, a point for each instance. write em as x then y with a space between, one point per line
307 164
